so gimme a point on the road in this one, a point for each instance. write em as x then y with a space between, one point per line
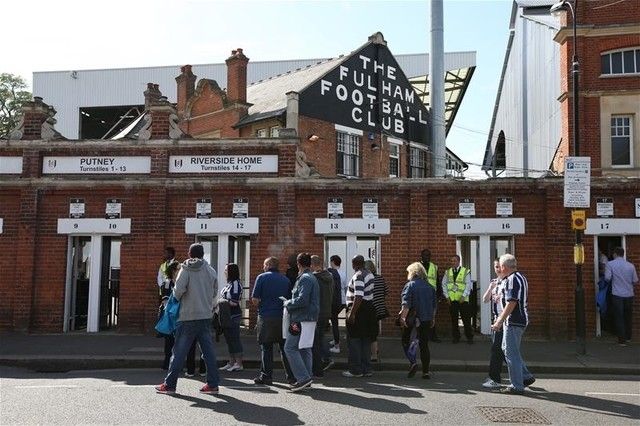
128 397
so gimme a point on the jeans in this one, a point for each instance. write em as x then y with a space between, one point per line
623 314
186 333
320 348
359 355
300 360
497 357
462 309
232 336
518 371
191 360
266 366
335 310
423 331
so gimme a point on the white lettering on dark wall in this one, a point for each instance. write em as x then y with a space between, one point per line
387 104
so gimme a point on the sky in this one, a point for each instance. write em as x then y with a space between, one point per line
77 35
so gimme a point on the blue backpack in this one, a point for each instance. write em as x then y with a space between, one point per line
168 321
601 297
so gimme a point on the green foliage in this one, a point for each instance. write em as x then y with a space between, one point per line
12 96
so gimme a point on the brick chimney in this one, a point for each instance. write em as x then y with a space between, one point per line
36 122
151 95
186 86
237 76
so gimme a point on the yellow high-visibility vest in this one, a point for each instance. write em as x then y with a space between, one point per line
432 275
456 287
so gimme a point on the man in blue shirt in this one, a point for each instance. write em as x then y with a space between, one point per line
513 320
269 287
623 277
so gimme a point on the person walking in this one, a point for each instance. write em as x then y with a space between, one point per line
513 320
231 294
623 277
432 279
492 295
339 300
321 354
303 309
380 291
269 288
456 287
419 298
167 272
196 289
362 327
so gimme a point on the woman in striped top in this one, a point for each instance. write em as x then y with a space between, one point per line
380 291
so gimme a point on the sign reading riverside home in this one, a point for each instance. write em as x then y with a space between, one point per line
96 165
223 164
369 91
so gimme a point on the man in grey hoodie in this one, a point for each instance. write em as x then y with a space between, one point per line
196 288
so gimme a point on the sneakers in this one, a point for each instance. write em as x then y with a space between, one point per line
226 367
350 374
491 384
209 390
299 386
262 381
528 382
291 381
412 370
510 390
187 374
328 365
203 374
235 367
426 376
163 388
335 349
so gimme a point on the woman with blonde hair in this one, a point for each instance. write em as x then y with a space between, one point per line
418 311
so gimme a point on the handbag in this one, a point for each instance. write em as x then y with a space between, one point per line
168 321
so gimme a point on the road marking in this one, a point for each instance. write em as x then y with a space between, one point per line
612 393
45 386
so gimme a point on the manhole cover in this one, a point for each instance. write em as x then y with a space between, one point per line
513 415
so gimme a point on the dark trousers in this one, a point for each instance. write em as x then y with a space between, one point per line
497 357
461 309
623 314
320 349
168 350
266 366
359 358
423 343
191 361
335 310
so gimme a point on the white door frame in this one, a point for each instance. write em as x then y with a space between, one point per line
96 229
484 229
602 227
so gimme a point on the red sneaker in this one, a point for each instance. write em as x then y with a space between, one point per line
209 390
163 388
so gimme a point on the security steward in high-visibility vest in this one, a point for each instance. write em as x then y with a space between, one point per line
432 278
456 287
167 272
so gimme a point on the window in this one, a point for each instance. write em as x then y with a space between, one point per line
418 162
621 62
348 154
621 137
261 133
394 160
273 131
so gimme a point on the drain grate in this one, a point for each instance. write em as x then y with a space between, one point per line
513 415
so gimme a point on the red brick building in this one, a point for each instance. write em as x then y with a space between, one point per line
84 223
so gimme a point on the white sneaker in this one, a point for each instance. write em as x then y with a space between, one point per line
490 384
332 343
225 367
334 349
235 367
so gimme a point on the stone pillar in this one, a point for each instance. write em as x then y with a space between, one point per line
293 109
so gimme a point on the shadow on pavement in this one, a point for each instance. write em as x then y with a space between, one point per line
363 402
243 411
591 404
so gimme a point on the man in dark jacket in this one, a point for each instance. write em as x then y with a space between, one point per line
320 346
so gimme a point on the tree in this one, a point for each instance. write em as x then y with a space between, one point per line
12 97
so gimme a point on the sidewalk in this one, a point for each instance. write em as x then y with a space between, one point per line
63 352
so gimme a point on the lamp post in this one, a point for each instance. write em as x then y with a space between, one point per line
571 5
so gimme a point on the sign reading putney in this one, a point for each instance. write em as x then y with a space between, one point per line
369 91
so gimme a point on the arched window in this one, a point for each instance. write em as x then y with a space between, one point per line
620 62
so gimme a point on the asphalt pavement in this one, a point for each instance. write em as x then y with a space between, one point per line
81 351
